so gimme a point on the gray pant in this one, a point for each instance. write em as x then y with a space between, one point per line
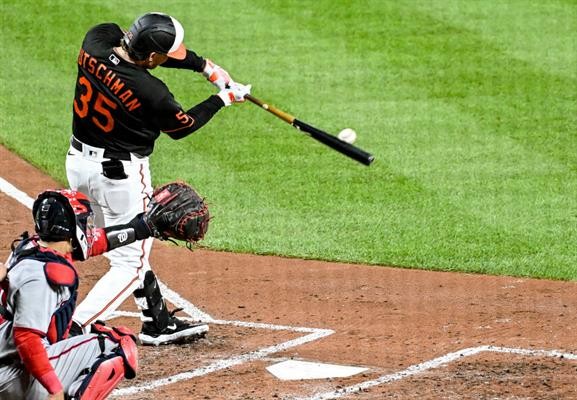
68 357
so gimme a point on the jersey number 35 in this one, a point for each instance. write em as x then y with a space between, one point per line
101 106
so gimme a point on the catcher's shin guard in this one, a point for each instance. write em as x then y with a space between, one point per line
108 371
156 306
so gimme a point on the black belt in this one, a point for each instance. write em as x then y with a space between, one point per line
78 145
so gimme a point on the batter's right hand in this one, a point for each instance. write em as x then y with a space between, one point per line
234 94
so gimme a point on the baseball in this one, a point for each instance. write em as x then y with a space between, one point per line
347 135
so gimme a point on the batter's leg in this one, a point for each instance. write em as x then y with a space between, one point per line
80 172
120 200
161 326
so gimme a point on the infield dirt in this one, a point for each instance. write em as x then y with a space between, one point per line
385 319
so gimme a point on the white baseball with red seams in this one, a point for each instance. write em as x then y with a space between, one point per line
347 135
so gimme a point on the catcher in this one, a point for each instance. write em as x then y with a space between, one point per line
38 295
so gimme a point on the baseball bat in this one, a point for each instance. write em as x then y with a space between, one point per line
329 140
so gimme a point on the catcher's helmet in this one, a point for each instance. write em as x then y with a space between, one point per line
65 215
155 32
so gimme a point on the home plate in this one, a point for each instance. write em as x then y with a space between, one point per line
295 370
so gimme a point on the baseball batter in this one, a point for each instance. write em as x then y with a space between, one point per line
120 109
38 297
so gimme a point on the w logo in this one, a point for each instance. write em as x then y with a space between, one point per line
122 236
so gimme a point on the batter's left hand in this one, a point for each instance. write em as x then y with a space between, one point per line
3 272
216 75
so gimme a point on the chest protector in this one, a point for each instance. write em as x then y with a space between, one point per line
59 272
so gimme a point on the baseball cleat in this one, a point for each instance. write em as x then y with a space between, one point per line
177 331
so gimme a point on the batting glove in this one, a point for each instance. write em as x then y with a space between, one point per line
234 94
216 75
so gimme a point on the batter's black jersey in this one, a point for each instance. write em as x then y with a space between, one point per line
120 106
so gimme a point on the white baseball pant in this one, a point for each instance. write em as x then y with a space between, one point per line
115 201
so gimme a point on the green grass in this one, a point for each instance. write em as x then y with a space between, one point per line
469 106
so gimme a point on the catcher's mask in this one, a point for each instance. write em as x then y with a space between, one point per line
65 215
155 32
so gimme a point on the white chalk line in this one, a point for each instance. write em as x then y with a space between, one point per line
196 315
435 363
186 306
313 334
225 363
15 193
534 353
243 324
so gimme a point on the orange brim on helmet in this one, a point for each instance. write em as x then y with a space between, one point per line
179 53
178 49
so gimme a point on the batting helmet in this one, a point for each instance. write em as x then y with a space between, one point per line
155 32
65 215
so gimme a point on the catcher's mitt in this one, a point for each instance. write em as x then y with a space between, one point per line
176 211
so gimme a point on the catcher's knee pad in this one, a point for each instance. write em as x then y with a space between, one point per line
108 371
156 306
114 333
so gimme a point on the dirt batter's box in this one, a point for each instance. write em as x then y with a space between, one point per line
310 335
425 371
